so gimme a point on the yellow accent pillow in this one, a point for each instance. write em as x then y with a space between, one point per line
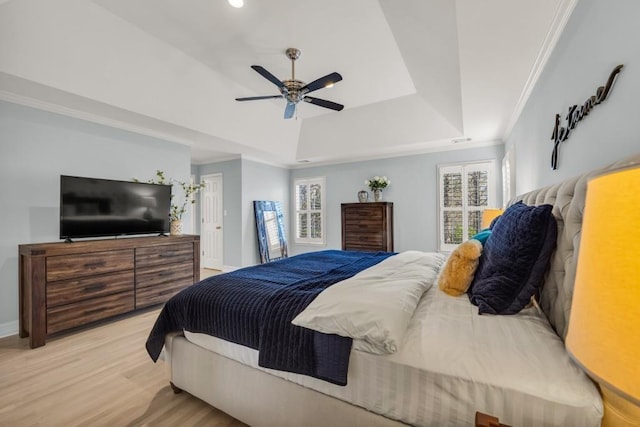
457 274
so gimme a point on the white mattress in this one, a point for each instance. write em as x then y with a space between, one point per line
453 362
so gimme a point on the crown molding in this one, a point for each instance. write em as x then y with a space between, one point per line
215 159
448 146
265 162
564 11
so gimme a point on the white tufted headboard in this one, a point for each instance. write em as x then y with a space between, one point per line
567 198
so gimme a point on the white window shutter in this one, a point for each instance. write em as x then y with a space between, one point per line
464 191
310 210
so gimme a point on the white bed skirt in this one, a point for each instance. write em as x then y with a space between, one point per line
255 397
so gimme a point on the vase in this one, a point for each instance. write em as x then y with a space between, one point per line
377 195
176 227
363 196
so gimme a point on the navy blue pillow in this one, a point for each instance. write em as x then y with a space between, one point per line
494 221
514 260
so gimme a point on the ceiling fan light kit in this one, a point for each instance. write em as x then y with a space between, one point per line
293 90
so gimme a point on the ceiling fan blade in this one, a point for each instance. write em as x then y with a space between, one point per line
255 98
325 81
290 110
323 103
267 75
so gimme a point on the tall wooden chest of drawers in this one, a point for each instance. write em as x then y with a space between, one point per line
65 285
367 226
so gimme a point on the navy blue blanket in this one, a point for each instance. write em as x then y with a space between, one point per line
254 307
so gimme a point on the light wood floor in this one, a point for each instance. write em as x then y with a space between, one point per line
207 272
95 377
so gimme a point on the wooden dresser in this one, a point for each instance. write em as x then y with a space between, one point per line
367 226
65 285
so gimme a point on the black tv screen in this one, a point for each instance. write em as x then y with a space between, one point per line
92 207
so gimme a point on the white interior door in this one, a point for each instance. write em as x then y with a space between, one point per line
211 232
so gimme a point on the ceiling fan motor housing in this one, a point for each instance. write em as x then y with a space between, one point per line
291 90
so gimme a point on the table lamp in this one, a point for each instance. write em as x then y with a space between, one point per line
489 214
604 326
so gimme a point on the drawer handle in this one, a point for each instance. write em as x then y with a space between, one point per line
166 254
94 264
97 287
94 311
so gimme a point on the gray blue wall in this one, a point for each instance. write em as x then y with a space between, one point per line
260 182
599 35
413 191
37 147
243 182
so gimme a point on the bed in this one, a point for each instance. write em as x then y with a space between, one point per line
449 362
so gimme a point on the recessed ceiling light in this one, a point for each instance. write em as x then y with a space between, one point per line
236 3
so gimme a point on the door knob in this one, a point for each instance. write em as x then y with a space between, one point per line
218 228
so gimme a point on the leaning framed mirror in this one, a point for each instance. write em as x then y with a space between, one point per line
272 242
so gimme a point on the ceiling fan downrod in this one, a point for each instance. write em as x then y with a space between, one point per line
291 90
293 54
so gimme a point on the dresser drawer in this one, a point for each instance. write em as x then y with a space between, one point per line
161 255
153 295
74 290
154 275
373 213
370 239
87 264
71 315
364 247
362 225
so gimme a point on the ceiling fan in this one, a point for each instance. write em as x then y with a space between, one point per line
294 90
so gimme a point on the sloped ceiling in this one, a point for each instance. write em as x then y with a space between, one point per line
417 73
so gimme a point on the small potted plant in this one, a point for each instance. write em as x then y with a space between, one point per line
376 184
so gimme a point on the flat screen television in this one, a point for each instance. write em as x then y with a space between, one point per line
92 207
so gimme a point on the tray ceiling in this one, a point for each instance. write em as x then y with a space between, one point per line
417 73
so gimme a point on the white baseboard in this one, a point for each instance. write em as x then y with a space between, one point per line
8 329
229 268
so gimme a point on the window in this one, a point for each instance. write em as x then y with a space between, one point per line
465 190
309 206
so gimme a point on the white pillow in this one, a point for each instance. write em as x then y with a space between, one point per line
376 304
